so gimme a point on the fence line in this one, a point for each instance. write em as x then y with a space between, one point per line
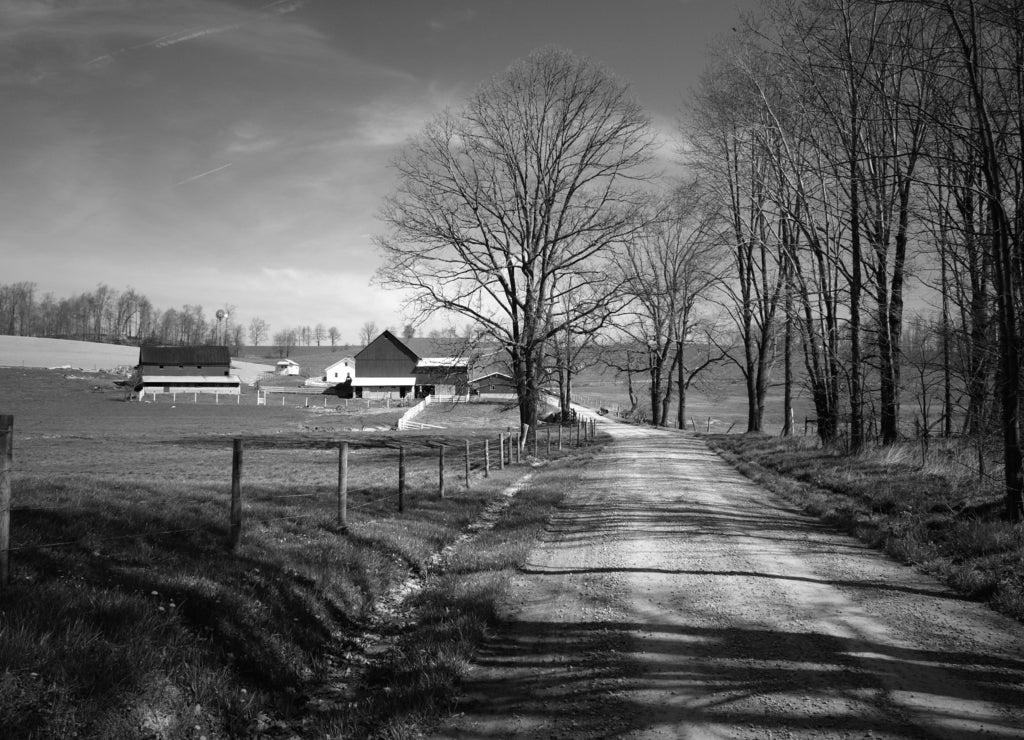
408 416
475 458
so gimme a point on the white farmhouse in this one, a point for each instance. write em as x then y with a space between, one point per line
340 371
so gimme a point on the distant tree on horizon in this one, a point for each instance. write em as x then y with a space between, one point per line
258 330
368 332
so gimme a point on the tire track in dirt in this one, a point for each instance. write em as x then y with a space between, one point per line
672 597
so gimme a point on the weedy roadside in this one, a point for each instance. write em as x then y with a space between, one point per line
934 511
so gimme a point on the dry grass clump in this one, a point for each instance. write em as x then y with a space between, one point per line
925 506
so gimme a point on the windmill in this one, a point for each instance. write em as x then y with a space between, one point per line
222 315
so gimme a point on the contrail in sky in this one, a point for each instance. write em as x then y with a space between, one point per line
203 174
276 7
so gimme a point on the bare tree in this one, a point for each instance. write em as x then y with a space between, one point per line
668 268
236 338
729 151
258 330
286 341
319 333
988 52
367 332
535 178
334 335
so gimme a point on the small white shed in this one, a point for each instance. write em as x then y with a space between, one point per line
288 367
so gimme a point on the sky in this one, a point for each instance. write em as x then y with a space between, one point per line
236 152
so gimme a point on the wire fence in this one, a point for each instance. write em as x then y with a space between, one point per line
307 397
391 468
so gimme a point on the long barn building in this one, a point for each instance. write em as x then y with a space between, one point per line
203 369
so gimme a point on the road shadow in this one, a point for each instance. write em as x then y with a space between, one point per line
549 676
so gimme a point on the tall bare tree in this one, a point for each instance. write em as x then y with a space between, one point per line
722 137
537 176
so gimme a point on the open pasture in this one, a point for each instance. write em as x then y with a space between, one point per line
127 610
717 407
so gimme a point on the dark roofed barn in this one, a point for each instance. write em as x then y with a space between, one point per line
199 369
202 360
391 366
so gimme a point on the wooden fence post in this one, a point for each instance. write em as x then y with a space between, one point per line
559 435
401 479
547 450
467 464
235 531
440 471
519 448
343 487
6 473
501 450
487 458
535 452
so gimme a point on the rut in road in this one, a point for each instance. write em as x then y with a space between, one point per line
672 597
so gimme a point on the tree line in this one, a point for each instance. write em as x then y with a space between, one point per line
856 148
128 317
840 154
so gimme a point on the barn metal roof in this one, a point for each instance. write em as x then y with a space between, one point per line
445 362
363 382
179 379
195 355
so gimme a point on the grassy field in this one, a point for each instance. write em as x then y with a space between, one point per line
128 616
929 508
721 409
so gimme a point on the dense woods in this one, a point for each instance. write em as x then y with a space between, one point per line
857 149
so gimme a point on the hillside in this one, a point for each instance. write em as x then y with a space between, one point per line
40 352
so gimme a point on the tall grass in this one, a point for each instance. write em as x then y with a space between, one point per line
929 507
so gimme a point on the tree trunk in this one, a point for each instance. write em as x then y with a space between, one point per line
787 349
681 369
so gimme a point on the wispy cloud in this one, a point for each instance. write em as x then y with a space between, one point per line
271 9
392 120
203 174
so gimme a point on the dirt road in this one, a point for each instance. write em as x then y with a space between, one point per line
672 598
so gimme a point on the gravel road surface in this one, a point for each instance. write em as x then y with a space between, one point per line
673 598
